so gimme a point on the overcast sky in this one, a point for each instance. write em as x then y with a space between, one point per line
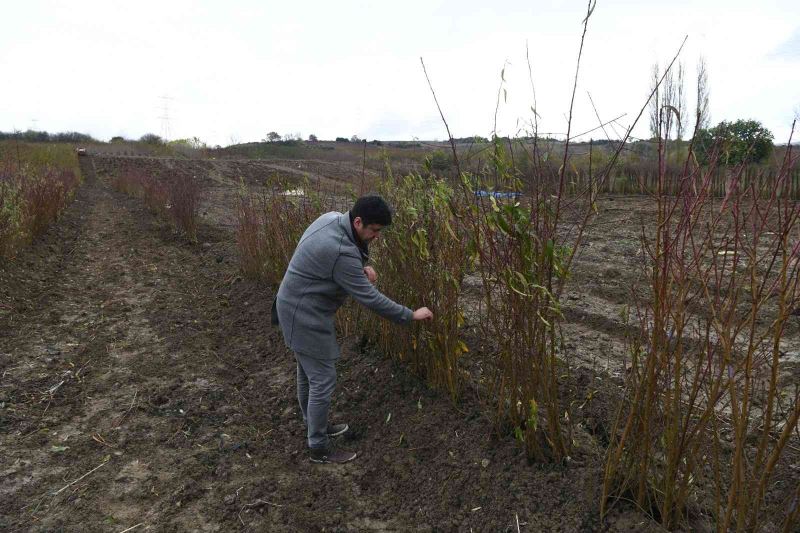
235 70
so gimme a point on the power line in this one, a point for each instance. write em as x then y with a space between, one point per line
165 118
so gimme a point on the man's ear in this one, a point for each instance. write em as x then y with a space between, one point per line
358 223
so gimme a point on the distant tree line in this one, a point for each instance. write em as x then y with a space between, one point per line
43 136
474 138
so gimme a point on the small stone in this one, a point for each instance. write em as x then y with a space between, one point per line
206 246
484 463
230 499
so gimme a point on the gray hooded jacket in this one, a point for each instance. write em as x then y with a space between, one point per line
326 267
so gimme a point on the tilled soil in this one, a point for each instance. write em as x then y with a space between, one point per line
142 385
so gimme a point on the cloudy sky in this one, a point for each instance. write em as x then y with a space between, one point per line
235 70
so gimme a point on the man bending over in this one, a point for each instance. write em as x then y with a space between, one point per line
329 264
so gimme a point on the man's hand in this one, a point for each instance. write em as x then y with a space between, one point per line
371 275
423 313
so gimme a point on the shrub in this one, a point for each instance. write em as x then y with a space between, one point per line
522 257
155 194
151 139
439 161
45 196
422 260
184 203
269 225
175 198
706 367
250 235
36 184
12 216
128 182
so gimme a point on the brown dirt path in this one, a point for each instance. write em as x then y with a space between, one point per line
142 385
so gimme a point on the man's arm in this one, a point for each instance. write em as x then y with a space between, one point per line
349 274
423 313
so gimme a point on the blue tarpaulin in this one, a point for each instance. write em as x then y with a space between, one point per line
498 194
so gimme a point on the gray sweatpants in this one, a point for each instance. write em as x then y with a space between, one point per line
316 379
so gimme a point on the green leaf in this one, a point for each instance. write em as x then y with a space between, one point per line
503 224
548 249
533 415
450 231
546 323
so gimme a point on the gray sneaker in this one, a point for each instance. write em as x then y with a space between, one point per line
330 456
334 430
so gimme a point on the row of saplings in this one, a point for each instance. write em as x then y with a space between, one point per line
37 182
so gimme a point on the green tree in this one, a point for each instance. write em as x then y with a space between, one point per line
193 142
439 161
151 138
743 141
273 136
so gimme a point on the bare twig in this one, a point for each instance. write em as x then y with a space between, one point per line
562 171
449 135
98 438
599 120
54 388
132 527
133 401
256 503
602 125
261 502
363 168
80 478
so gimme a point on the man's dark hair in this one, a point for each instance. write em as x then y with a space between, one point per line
372 209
